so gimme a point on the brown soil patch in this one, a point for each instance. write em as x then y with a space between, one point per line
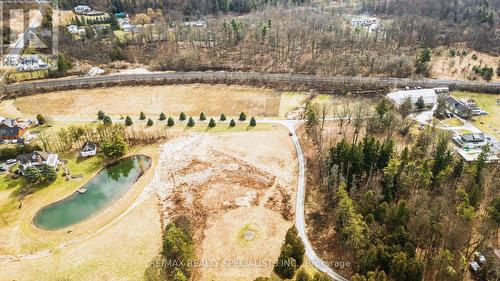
226 188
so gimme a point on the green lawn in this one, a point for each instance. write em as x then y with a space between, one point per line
490 123
85 167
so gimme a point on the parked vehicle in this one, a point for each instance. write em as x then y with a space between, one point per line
11 161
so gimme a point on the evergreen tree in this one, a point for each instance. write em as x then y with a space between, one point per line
128 121
190 122
33 174
170 121
100 115
150 123
142 116
253 123
107 120
211 124
406 108
286 265
243 117
232 123
48 173
420 104
202 117
222 117
40 119
162 116
182 116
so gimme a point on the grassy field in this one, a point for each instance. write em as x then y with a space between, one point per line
453 122
489 123
191 99
103 231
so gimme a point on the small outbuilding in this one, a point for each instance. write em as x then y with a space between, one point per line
88 149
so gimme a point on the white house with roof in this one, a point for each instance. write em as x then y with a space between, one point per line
73 29
80 9
469 146
36 159
89 148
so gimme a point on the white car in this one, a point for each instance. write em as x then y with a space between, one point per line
11 161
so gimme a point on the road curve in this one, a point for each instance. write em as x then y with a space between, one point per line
300 221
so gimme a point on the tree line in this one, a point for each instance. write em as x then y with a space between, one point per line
406 211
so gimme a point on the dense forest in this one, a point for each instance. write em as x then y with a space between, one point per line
299 39
410 210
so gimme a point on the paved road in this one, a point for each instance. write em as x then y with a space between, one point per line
300 221
347 83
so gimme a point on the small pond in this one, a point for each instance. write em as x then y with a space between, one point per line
109 185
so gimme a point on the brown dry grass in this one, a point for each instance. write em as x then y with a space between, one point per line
460 68
121 252
171 99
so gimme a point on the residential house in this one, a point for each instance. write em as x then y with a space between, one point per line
89 148
457 107
73 29
10 129
82 9
469 146
37 158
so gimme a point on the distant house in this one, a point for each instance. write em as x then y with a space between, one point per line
82 9
469 146
197 23
471 141
88 149
458 108
73 29
10 129
37 158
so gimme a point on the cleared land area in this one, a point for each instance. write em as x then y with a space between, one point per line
237 189
490 123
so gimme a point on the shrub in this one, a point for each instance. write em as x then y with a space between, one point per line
223 116
114 146
253 123
150 122
170 121
453 52
190 122
202 117
142 116
100 115
243 117
177 248
474 57
128 121
41 119
232 123
211 124
182 116
162 116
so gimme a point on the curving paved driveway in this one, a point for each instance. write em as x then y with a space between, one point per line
300 221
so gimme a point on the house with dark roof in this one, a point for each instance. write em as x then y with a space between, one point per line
10 129
37 158
458 107
89 148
